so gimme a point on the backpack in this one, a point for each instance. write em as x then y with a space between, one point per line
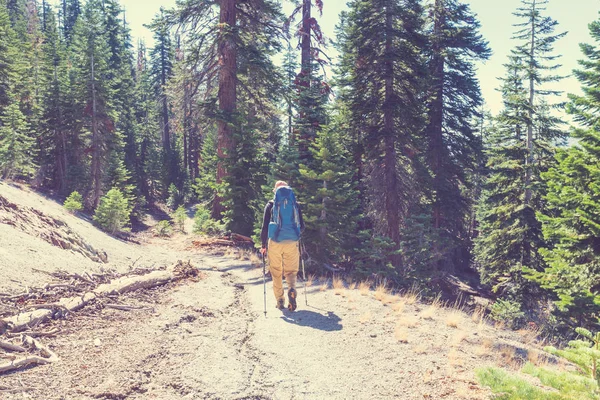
285 219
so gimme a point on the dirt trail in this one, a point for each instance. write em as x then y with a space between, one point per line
209 339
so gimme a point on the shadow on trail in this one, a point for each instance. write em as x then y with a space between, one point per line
315 320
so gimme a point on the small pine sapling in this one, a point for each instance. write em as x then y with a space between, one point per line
74 202
584 353
113 211
180 217
163 228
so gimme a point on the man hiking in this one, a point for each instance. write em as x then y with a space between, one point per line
282 225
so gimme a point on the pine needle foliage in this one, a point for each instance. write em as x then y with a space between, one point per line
112 213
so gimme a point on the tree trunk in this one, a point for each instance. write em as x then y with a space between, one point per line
227 94
304 80
529 144
436 112
96 145
392 204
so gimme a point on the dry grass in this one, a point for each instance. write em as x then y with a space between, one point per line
411 296
399 306
363 319
530 334
381 292
255 260
390 299
433 308
409 321
455 359
537 358
458 338
486 347
338 285
364 287
325 285
310 280
351 285
454 318
478 315
507 357
401 334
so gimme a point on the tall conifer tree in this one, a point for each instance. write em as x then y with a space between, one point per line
453 147
521 151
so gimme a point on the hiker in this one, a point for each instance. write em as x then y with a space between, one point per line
282 226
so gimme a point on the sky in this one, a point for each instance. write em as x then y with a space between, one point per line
496 21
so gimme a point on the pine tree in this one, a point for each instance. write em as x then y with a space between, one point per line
148 171
308 81
382 72
453 147
330 199
522 149
8 54
503 222
571 222
52 127
16 144
161 67
70 12
90 53
113 211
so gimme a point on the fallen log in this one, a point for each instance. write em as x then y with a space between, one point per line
130 284
27 320
213 242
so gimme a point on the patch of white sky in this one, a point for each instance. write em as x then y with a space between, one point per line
496 18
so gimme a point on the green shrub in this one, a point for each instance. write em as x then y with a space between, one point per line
180 217
555 384
508 312
74 202
203 223
174 196
585 353
163 228
113 211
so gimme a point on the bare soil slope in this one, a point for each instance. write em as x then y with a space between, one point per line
208 338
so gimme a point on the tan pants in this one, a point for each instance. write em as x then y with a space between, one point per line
284 259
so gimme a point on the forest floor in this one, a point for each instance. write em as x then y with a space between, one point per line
208 337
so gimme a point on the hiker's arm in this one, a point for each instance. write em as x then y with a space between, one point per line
264 233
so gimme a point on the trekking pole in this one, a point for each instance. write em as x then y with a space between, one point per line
303 272
264 282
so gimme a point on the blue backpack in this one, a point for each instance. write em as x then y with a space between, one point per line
285 219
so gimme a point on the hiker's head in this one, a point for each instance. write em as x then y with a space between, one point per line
279 184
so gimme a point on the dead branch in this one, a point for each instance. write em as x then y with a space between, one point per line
125 307
51 333
12 347
48 356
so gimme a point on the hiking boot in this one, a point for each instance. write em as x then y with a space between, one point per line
280 304
292 298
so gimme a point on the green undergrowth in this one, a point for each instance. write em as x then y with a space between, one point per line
553 385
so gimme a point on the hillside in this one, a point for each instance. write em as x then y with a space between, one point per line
207 337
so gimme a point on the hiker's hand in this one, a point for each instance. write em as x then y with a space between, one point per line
263 251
